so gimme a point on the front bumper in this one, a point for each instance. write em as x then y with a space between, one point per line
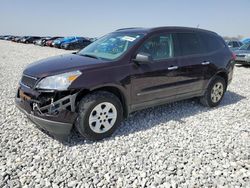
242 60
58 124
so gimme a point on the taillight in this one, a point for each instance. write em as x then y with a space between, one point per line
233 56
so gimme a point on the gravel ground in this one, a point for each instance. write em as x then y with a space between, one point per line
181 144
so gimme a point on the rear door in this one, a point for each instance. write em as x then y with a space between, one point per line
217 53
192 62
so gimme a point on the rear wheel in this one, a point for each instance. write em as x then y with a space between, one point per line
99 115
214 92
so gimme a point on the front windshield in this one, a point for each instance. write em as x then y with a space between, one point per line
245 47
111 46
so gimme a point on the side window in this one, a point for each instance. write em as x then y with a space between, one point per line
190 44
248 47
212 42
230 44
159 47
235 44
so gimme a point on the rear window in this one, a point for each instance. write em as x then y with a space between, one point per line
212 42
190 44
235 44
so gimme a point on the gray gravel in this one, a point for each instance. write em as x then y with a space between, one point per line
181 144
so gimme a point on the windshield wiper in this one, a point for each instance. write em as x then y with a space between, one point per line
88 55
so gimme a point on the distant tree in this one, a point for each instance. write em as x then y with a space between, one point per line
239 37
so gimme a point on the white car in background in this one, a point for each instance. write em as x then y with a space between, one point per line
243 55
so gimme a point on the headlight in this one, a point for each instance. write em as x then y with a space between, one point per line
58 82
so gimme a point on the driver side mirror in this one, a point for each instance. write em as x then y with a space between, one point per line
143 58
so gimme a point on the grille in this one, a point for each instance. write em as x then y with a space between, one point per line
240 55
28 81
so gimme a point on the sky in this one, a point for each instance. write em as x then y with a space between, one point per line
94 18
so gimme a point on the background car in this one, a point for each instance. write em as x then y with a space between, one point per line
3 37
30 39
23 39
50 41
243 55
234 44
39 41
16 39
76 44
93 39
44 40
247 40
57 43
9 37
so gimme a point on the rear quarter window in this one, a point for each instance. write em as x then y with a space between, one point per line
189 44
211 42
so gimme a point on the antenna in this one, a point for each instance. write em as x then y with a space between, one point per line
198 25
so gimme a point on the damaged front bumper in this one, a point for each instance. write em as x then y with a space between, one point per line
54 114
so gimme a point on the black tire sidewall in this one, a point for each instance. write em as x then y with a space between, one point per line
83 117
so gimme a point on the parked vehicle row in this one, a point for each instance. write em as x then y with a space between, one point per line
67 43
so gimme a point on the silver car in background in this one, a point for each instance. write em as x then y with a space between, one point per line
243 55
234 44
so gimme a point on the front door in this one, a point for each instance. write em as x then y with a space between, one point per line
159 79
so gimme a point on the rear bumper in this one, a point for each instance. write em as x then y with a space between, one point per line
58 125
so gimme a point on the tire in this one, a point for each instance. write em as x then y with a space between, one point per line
68 47
92 122
215 92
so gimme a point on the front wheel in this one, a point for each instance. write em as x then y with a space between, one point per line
215 92
99 114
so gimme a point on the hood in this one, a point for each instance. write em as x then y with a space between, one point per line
60 64
242 51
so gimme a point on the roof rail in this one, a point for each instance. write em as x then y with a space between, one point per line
128 28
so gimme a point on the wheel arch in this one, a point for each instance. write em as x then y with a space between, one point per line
224 75
112 89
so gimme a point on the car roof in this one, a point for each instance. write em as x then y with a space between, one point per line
233 41
168 28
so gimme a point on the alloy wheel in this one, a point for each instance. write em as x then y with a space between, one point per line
217 92
103 117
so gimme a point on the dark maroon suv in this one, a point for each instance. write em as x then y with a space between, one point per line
124 71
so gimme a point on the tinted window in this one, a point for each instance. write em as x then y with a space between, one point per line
159 47
245 47
230 43
235 44
212 42
189 44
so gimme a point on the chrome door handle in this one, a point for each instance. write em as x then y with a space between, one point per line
205 63
172 68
